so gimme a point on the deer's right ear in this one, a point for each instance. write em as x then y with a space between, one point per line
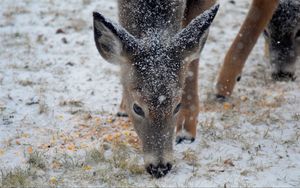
113 42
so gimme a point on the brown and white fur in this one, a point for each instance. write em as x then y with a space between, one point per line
157 47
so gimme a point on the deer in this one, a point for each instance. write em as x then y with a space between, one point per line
282 40
157 46
257 19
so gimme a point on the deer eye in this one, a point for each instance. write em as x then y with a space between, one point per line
176 110
138 110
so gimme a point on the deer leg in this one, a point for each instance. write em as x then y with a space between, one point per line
259 15
122 109
188 117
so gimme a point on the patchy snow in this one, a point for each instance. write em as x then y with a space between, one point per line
161 99
59 97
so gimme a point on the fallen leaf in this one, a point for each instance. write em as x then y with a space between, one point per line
127 133
228 162
44 146
1 152
227 106
117 135
53 180
25 135
29 150
56 165
108 138
82 146
60 31
87 167
71 147
244 98
109 120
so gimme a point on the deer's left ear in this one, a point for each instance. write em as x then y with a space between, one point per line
113 42
192 38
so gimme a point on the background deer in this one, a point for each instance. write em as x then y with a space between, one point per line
259 15
156 55
283 40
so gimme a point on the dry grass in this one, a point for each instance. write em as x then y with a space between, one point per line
109 170
123 158
70 163
112 178
37 160
191 157
16 178
26 83
75 103
115 169
43 107
296 117
95 156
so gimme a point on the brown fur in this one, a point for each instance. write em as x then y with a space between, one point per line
190 100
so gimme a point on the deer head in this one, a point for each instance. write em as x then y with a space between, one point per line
283 40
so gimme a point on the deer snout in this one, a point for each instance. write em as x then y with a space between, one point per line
283 71
283 76
159 170
283 63
158 165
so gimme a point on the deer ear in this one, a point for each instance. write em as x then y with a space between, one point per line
191 39
113 42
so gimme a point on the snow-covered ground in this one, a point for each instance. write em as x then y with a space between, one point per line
58 98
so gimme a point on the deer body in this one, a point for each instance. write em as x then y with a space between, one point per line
155 52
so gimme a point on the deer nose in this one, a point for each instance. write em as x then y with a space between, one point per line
159 170
283 76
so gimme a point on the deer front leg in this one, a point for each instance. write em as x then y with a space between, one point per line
188 117
187 120
260 14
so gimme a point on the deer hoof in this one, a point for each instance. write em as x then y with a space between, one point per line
180 140
184 137
221 98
